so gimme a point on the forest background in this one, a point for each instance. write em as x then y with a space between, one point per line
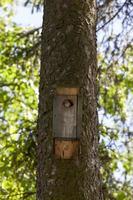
19 80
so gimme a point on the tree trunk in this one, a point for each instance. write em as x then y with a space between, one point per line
68 59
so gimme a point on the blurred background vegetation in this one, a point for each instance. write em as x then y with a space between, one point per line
19 80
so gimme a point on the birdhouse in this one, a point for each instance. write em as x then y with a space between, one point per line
67 117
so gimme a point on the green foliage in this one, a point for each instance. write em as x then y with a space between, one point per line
18 111
5 2
116 134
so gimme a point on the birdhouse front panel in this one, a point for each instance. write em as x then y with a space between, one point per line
65 116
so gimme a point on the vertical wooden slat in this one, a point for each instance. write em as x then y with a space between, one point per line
79 116
65 119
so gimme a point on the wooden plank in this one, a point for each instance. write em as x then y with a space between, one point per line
79 116
67 91
65 117
66 149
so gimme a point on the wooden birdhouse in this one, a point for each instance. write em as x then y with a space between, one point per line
67 117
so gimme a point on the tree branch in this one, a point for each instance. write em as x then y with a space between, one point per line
30 32
112 16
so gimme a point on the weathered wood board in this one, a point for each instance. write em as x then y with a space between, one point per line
65 117
65 149
67 113
67 91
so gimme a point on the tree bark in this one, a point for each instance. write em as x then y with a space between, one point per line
69 60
